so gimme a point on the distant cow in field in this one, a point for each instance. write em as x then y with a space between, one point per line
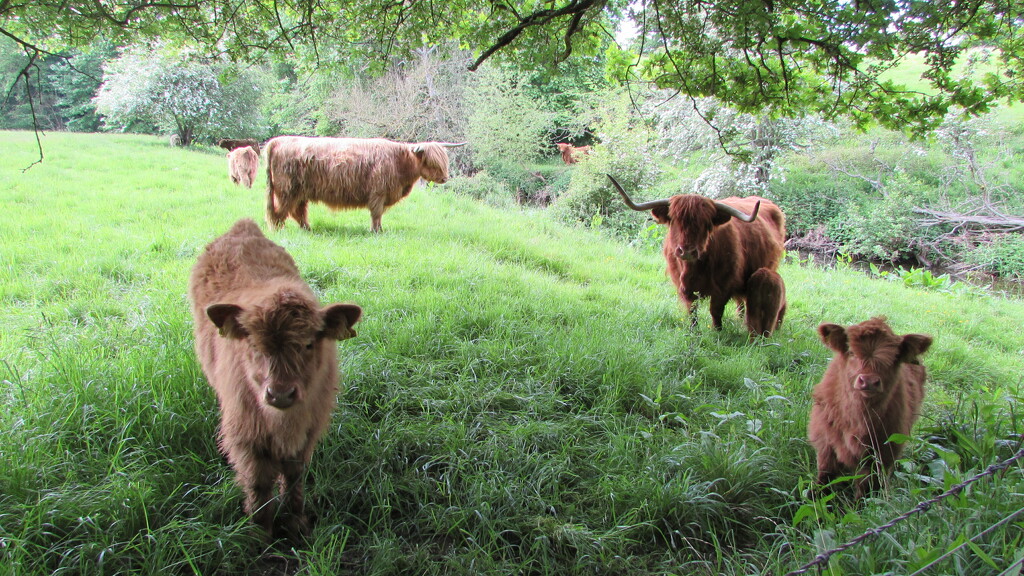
346 173
230 144
872 389
708 253
268 349
242 165
766 302
571 154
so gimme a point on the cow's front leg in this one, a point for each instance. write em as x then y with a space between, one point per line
690 304
717 310
292 517
376 206
257 477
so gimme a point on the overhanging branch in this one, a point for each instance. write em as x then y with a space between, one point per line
575 8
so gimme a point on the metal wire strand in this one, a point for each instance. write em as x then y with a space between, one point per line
823 558
972 539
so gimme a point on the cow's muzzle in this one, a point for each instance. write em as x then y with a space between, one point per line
867 383
687 255
280 397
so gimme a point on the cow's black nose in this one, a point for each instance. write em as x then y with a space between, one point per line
281 398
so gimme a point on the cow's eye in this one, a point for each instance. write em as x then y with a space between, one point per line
310 345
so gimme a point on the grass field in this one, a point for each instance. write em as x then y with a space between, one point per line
522 398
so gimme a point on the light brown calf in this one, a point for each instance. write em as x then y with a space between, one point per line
242 165
268 349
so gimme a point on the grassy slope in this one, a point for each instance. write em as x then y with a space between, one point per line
522 397
909 75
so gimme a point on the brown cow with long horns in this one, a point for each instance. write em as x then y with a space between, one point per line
708 253
346 173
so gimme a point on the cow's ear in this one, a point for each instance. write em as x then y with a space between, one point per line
913 345
660 215
226 318
339 320
834 336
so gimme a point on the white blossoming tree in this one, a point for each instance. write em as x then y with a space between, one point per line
153 87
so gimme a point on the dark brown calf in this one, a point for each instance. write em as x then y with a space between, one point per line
230 144
766 302
268 349
872 389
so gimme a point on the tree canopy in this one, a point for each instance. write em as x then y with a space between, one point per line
770 57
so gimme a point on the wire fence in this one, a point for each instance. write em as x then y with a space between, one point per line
822 559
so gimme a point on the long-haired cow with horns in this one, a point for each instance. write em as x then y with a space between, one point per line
345 173
711 255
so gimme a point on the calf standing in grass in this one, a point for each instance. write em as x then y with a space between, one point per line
267 348
872 389
766 302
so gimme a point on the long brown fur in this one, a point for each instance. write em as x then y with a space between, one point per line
346 173
267 349
872 389
711 255
242 165
766 302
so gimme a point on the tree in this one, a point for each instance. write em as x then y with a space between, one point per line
495 96
76 80
418 99
751 143
771 57
29 98
179 95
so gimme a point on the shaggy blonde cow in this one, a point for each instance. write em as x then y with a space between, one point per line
268 349
346 173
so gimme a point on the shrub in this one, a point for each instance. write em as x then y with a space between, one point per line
1003 256
625 151
482 186
494 96
812 199
884 228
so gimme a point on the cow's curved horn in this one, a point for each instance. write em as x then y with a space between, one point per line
638 207
737 213
452 145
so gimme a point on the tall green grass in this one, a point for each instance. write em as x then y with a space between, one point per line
522 398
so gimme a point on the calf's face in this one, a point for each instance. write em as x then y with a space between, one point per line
870 355
288 339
